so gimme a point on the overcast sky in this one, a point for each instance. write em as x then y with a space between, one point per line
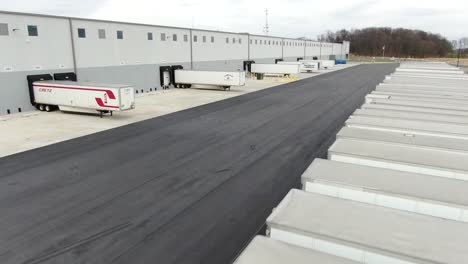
291 18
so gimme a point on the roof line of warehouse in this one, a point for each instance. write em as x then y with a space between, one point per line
150 25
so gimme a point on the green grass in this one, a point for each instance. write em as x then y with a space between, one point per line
370 59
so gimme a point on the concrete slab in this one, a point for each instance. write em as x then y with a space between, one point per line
366 233
263 250
411 192
436 142
410 158
415 109
416 127
411 115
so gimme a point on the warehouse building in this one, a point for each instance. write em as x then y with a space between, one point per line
128 53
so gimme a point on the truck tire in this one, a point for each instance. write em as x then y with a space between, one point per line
48 108
41 107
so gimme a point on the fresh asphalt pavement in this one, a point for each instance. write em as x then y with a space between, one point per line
189 187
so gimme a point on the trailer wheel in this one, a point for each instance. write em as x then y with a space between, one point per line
41 107
48 108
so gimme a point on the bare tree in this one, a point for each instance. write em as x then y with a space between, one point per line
398 42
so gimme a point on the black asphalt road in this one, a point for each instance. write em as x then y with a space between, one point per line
189 187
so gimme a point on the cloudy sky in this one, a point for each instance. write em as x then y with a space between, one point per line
292 18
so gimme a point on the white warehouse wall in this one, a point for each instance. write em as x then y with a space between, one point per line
49 50
293 49
134 59
22 55
227 51
312 49
133 49
265 49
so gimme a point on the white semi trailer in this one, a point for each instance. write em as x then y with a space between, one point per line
323 64
184 78
276 69
83 97
305 66
365 232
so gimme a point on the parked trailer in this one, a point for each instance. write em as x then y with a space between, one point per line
83 97
404 138
366 233
412 192
428 71
263 250
276 69
409 158
427 102
423 86
305 66
222 79
323 64
426 81
415 109
431 77
415 103
327 64
416 127
411 115
441 95
447 93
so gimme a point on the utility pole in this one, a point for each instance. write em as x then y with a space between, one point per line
383 51
320 40
266 29
459 52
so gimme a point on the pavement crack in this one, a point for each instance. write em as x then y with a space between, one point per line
83 241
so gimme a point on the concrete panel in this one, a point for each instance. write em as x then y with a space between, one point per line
366 233
221 65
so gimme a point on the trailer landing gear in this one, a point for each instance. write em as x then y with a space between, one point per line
101 113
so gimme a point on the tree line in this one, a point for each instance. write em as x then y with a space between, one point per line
398 42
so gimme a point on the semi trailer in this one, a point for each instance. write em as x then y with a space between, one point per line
322 64
366 233
224 79
434 196
276 69
305 66
84 97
